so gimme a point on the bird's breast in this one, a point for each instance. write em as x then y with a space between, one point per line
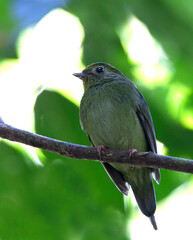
109 118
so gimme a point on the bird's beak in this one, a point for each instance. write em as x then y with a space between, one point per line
80 75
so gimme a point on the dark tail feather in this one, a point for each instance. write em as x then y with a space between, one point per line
153 222
147 202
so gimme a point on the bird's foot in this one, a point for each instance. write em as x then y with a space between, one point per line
100 148
132 151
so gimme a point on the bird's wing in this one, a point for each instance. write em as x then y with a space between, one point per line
144 116
116 176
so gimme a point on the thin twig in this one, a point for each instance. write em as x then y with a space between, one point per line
144 159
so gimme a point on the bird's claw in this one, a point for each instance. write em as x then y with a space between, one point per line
100 148
132 151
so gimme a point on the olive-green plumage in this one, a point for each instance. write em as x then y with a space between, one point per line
114 114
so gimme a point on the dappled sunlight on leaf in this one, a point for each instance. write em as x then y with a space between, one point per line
49 54
16 98
177 93
180 104
151 64
152 76
187 119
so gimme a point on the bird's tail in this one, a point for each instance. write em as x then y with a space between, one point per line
145 197
153 222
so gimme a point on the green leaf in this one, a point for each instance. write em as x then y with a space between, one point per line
51 202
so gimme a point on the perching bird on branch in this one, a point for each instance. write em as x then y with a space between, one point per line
115 115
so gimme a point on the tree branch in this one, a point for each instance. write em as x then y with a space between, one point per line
144 159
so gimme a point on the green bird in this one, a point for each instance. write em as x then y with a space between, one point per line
115 115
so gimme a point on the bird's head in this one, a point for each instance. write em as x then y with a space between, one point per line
98 73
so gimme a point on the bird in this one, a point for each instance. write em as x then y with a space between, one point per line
115 115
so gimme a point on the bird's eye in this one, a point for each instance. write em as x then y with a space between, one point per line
99 69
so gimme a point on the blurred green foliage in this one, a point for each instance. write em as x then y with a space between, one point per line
75 199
